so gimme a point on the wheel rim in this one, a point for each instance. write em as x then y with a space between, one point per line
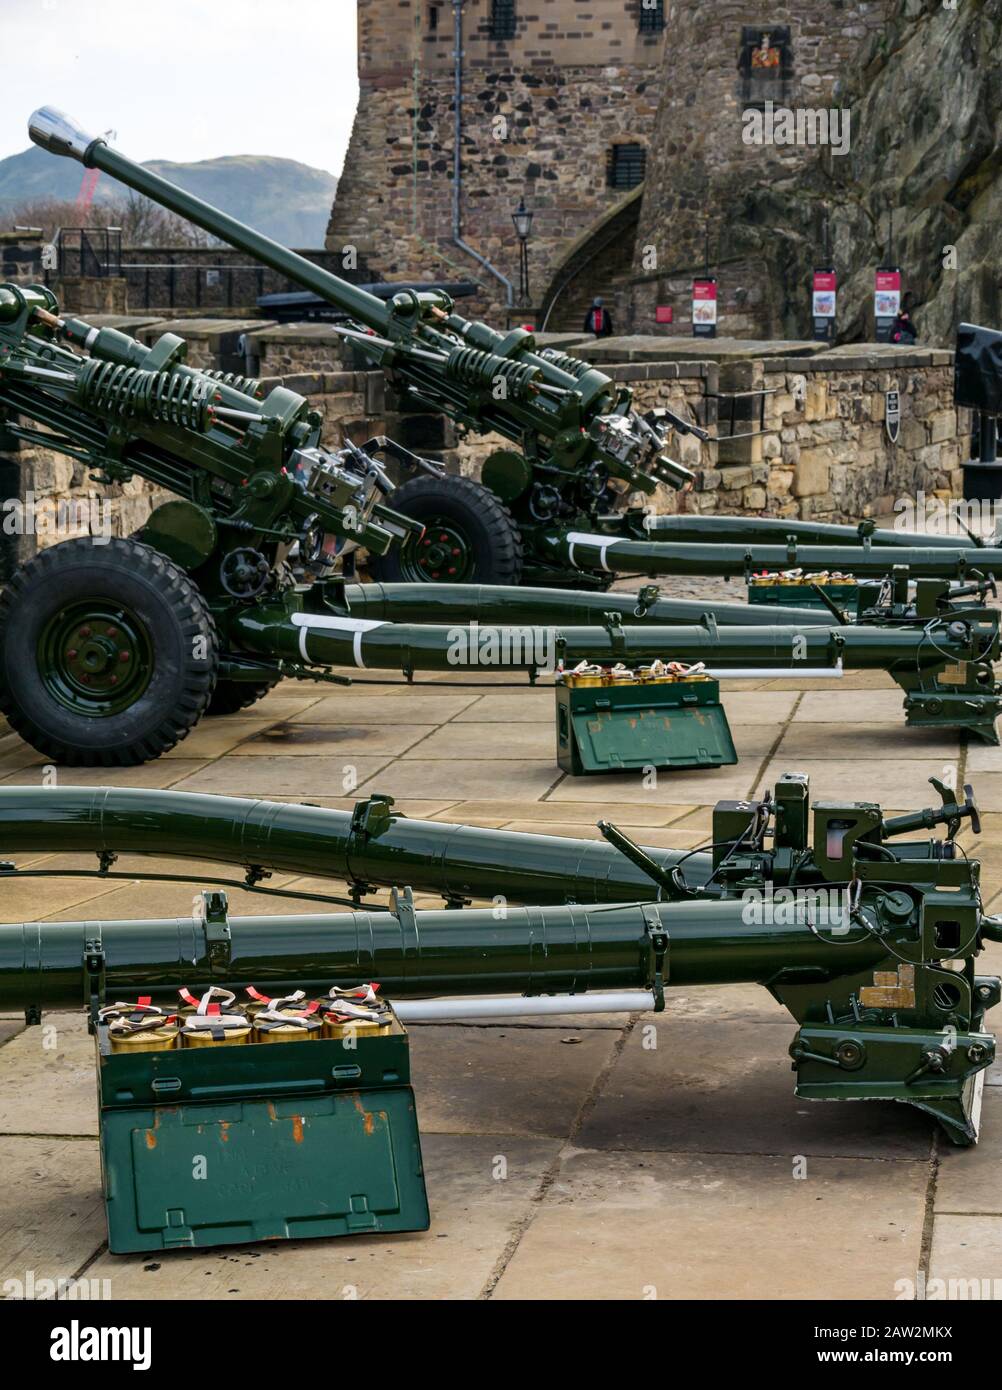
443 554
95 657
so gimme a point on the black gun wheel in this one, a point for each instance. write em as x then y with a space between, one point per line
229 697
108 653
470 537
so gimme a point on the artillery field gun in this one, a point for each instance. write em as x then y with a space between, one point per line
200 608
119 629
867 936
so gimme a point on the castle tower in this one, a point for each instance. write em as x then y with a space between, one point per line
558 107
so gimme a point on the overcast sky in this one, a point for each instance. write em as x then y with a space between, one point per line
186 79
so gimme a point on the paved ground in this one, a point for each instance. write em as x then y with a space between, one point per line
631 1171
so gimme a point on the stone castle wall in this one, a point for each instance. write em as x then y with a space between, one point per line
540 115
703 175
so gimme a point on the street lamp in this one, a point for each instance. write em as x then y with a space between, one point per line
522 219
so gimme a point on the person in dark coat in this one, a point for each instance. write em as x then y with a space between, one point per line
903 331
598 320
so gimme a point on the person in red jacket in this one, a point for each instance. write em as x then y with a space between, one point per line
598 320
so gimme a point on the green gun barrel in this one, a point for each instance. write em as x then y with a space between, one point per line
58 133
760 530
562 950
589 551
496 603
335 640
372 846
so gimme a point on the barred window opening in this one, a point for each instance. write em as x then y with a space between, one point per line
627 166
503 19
652 16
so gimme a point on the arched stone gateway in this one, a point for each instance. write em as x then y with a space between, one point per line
597 263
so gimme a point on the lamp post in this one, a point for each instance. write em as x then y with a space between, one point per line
522 219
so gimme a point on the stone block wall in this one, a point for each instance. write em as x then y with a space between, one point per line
827 448
87 295
300 347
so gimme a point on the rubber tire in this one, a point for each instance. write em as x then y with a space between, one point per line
490 526
229 697
174 614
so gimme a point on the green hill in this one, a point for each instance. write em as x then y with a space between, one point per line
280 197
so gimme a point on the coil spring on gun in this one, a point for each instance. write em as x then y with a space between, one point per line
573 366
248 385
476 368
130 391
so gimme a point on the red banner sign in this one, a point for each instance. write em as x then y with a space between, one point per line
704 308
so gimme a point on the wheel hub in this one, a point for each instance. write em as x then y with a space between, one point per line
95 658
442 553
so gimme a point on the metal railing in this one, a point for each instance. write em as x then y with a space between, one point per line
88 252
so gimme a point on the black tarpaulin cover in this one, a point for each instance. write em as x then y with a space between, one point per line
977 372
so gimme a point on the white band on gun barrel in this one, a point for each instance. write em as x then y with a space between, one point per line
601 543
337 627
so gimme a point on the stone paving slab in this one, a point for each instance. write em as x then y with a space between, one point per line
506 1080
10 1025
289 700
475 1216
471 742
988 789
899 784
211 738
690 1086
38 898
771 707
982 758
968 1179
705 786
968 1249
143 900
870 740
573 814
834 706
323 740
165 772
469 778
19 759
262 776
850 681
509 707
641 1225
719 1003
663 839
48 1079
373 708
51 1209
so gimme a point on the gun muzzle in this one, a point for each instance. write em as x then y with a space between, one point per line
59 133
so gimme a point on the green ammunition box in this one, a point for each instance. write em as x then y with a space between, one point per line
845 596
612 728
226 1144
